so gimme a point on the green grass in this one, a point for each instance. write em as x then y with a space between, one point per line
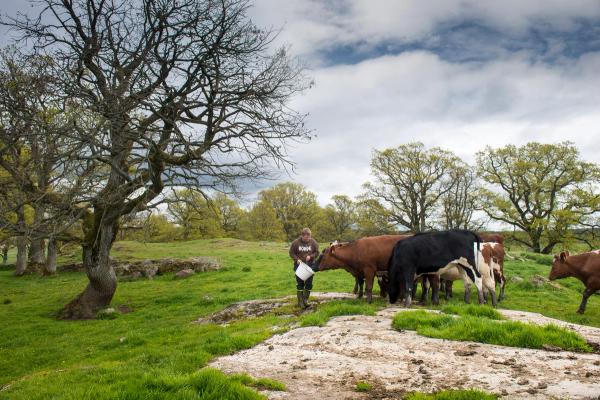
43 358
261 383
472 310
121 357
484 330
362 386
452 395
338 308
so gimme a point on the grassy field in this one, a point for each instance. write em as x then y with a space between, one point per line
157 351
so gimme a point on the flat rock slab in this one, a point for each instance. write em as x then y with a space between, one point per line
327 362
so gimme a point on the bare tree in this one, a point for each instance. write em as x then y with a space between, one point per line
410 180
177 94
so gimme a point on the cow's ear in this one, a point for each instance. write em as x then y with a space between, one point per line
563 256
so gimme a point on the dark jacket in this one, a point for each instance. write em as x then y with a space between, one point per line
299 250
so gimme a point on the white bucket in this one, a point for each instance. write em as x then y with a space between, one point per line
304 271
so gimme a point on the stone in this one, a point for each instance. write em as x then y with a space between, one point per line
136 275
538 280
151 271
465 353
184 273
550 347
522 381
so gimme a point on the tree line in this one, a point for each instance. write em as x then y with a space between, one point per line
545 192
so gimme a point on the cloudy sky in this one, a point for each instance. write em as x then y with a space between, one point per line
459 74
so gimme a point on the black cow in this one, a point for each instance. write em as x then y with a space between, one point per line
432 252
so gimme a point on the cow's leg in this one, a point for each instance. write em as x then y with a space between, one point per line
435 288
361 284
415 285
494 299
383 282
355 290
467 291
586 293
424 288
369 278
502 284
448 289
409 277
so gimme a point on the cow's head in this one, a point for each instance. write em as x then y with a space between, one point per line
559 266
327 258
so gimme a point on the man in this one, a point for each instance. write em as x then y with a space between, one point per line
304 249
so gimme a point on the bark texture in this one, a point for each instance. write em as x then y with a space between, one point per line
21 265
50 266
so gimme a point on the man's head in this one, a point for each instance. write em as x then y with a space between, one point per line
305 235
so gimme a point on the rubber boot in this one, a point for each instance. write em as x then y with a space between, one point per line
306 296
300 295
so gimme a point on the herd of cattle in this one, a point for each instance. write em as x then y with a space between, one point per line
436 259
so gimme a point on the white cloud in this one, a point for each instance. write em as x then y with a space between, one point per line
392 100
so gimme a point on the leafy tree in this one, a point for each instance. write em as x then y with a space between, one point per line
230 214
545 190
32 120
337 220
261 223
459 204
157 228
410 181
294 206
372 219
197 217
175 93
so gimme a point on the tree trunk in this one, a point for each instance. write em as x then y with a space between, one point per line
4 255
21 265
36 252
103 280
50 268
37 248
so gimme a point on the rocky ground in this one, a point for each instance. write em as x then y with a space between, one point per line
327 362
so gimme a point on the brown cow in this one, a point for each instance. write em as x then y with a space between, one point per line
497 262
492 237
362 257
585 267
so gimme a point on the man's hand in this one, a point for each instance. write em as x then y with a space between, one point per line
307 258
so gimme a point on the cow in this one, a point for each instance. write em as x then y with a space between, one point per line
365 257
492 237
585 267
432 252
493 255
497 263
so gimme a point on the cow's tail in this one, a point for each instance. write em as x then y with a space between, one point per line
476 250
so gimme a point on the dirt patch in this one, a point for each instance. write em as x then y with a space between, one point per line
257 308
312 361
